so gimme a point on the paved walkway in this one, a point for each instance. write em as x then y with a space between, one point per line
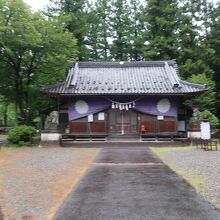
132 184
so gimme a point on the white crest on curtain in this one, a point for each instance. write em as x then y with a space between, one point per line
81 107
163 105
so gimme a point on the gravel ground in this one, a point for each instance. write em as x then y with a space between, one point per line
35 181
200 168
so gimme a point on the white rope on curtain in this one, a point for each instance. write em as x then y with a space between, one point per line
123 105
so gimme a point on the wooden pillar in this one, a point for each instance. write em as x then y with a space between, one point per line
43 118
58 110
185 115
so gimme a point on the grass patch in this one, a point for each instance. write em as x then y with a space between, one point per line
197 181
3 135
162 151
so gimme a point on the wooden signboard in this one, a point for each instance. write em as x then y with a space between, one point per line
205 130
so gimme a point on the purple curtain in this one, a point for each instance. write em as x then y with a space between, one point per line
84 106
154 106
81 107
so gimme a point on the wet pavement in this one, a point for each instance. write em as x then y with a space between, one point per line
133 184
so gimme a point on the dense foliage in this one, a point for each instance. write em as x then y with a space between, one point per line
21 134
186 30
35 47
205 101
214 121
34 50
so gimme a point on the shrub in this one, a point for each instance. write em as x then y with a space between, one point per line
21 134
214 122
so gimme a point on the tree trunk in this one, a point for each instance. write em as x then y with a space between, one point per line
16 113
5 114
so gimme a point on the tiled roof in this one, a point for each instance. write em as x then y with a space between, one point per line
144 77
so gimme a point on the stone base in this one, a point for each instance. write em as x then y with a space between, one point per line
194 134
50 140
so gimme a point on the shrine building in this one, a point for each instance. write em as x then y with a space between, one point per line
109 100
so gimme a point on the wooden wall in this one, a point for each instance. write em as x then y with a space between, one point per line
83 126
153 125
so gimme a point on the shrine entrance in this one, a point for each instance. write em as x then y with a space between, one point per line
123 122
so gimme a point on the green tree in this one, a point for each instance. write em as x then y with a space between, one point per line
74 14
194 54
213 39
98 30
3 111
136 30
120 29
92 38
207 100
34 50
214 121
161 26
103 13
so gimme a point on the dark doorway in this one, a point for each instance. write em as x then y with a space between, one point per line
122 122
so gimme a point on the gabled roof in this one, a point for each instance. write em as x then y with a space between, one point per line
139 77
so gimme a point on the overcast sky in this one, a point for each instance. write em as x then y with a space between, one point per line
39 4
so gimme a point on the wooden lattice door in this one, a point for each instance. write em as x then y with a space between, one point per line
122 122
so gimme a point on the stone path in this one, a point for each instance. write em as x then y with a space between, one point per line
132 184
